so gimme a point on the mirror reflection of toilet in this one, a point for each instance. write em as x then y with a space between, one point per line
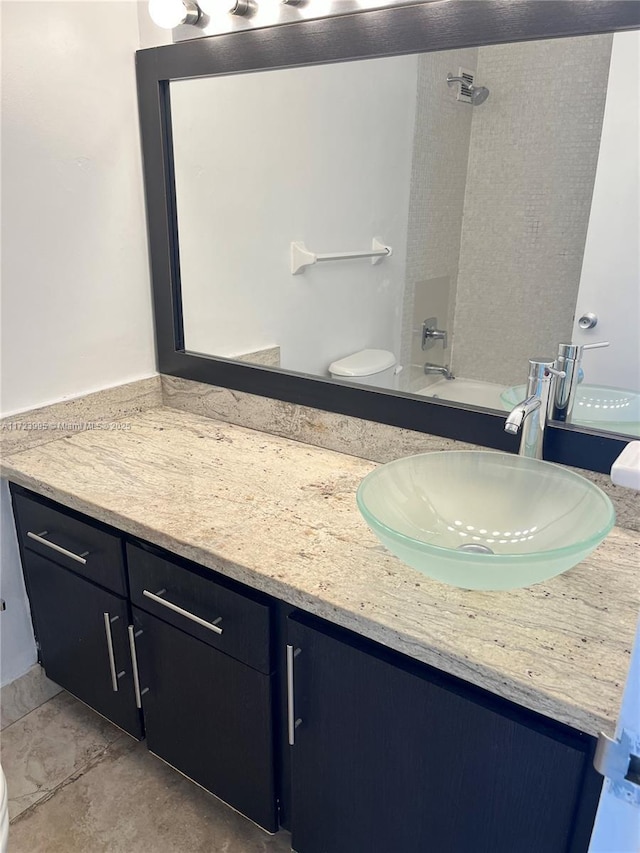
367 367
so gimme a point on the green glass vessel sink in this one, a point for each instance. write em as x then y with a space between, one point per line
613 409
483 520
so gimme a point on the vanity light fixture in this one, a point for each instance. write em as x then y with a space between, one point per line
171 13
233 7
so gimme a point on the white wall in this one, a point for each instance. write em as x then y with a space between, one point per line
17 647
75 292
76 308
610 280
256 170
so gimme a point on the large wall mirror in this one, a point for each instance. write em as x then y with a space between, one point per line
395 236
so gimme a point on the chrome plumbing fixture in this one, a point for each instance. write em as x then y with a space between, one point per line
443 370
431 334
468 91
530 416
569 361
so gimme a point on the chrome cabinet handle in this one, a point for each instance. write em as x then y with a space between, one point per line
212 626
79 558
292 723
134 664
112 659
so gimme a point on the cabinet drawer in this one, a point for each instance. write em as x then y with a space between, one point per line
77 545
201 606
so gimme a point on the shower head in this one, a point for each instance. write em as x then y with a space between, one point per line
479 95
476 94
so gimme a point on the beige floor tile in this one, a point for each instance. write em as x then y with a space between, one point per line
130 802
45 747
25 694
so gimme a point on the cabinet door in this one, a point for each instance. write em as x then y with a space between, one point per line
82 632
209 716
384 759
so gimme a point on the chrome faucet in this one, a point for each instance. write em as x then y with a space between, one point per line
530 416
443 370
569 361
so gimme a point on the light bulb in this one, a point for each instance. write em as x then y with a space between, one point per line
171 13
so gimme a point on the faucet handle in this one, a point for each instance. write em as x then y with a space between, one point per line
552 371
599 345
575 350
431 334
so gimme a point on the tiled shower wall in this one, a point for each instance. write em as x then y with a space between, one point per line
532 161
499 204
438 175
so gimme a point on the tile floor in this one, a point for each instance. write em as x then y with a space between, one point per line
79 785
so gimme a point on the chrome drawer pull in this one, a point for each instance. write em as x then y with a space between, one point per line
79 558
112 659
292 723
212 626
134 663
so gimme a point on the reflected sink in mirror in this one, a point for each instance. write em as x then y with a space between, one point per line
595 406
483 520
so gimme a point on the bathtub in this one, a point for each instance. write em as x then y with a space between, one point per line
473 392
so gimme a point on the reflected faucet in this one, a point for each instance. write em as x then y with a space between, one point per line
570 360
443 370
530 416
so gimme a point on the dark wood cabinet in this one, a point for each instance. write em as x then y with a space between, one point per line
83 639
195 663
207 685
389 755
209 716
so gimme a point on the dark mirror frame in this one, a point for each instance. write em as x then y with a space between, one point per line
439 25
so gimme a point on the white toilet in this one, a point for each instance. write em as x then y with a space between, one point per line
4 813
368 366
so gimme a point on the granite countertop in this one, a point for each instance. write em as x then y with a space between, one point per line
281 517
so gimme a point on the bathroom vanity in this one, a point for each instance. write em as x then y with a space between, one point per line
264 644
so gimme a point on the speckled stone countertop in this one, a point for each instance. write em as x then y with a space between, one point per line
281 516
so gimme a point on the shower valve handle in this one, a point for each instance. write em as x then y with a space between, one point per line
431 334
